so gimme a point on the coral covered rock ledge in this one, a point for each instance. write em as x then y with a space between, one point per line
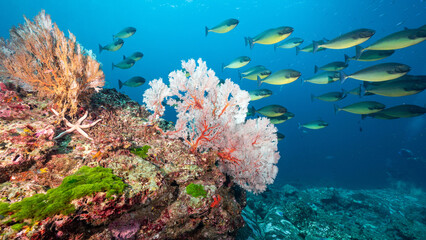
128 190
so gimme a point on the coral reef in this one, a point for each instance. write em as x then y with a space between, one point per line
330 213
211 117
39 57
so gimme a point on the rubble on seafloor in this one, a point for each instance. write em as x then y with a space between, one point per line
333 213
154 204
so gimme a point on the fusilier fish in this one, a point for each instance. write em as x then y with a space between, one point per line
398 40
329 97
270 36
223 27
259 94
405 111
365 107
125 64
237 62
269 111
371 55
289 43
333 66
310 47
280 77
347 40
125 33
117 44
135 56
380 72
324 77
252 69
132 82
314 125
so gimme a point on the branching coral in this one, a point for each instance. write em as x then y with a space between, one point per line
39 56
211 117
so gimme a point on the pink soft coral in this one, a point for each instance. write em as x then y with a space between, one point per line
211 116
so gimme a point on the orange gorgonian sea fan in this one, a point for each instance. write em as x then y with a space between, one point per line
39 57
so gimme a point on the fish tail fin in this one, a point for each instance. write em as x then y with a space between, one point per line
343 77
344 93
223 66
252 111
359 91
347 58
120 84
316 69
124 57
312 97
112 64
336 109
250 42
245 41
315 45
297 50
302 81
358 51
299 126
240 75
259 81
207 30
364 89
100 48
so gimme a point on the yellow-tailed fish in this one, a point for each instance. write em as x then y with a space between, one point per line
396 88
132 82
259 94
333 66
371 55
237 63
114 46
324 77
258 73
329 97
346 40
270 36
125 33
310 47
135 56
398 40
280 77
380 72
224 26
125 64
405 111
365 107
269 111
314 125
289 43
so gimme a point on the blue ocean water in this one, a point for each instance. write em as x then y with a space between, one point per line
350 152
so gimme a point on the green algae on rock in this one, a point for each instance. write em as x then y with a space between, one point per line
196 190
141 151
84 182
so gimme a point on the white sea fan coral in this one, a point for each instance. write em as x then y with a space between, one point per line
211 116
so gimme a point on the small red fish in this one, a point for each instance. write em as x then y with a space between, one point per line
216 201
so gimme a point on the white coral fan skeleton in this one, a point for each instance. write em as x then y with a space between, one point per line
212 117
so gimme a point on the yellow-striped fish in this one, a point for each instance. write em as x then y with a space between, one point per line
237 63
380 72
365 107
280 77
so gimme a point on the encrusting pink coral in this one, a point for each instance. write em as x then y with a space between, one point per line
211 117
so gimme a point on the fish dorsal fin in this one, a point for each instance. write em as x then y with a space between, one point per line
124 57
